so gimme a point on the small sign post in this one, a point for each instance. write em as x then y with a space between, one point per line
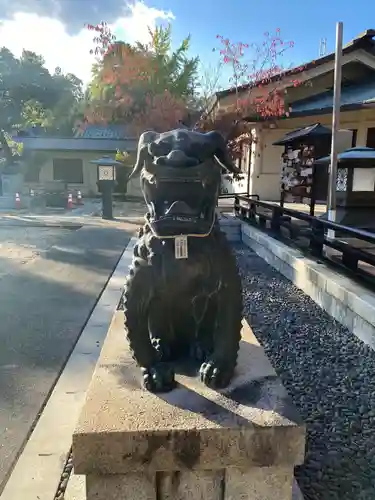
106 181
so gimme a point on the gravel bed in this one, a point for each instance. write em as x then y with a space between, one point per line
330 375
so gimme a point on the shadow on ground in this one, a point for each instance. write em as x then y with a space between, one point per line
44 306
91 247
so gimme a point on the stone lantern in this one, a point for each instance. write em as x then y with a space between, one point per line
355 187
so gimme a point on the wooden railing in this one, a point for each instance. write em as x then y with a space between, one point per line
352 249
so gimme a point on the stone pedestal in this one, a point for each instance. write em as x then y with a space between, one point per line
192 443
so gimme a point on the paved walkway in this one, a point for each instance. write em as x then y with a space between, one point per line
46 296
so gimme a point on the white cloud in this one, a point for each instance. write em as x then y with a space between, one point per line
48 37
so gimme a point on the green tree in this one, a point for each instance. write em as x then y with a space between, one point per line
145 85
31 96
33 113
172 70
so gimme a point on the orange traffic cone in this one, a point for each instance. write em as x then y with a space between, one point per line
79 198
18 201
70 202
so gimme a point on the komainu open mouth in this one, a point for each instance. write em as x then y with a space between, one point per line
180 174
181 204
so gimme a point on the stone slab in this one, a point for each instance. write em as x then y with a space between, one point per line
133 486
76 489
124 428
350 303
188 485
258 483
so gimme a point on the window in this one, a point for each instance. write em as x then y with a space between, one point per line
370 143
354 137
364 179
32 173
69 170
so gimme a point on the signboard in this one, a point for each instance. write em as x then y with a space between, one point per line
181 247
106 173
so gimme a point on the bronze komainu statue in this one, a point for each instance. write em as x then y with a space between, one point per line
183 296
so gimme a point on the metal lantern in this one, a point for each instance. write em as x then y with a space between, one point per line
355 187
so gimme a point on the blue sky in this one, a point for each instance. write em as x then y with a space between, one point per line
55 28
304 22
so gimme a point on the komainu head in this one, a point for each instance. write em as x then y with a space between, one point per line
180 175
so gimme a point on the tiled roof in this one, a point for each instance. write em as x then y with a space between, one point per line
103 132
76 144
363 41
311 130
33 131
352 95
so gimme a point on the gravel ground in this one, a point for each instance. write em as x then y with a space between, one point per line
330 375
68 467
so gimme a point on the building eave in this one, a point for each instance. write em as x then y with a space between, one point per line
329 109
357 43
76 144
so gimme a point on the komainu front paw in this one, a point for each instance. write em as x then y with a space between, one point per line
214 375
158 378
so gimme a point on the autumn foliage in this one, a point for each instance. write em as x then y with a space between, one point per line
258 85
133 83
146 88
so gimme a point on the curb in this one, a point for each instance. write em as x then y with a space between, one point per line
56 225
37 473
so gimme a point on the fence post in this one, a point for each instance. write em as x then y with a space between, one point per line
317 238
349 261
252 211
236 206
243 212
276 219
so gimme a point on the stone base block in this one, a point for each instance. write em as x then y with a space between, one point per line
258 483
229 484
136 486
192 443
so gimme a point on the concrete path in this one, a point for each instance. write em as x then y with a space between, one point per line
45 301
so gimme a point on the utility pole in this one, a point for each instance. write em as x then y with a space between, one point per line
331 201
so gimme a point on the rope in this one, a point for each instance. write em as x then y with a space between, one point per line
190 235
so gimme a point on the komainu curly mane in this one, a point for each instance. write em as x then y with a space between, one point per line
183 307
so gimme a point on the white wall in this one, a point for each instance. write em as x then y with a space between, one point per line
89 170
265 173
230 186
266 164
89 186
